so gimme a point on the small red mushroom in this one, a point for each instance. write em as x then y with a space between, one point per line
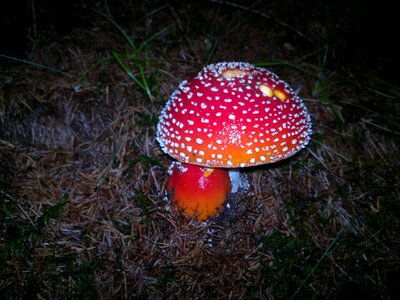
233 115
198 191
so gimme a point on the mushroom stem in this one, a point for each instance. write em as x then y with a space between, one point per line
239 180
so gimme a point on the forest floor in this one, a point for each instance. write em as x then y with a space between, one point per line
83 212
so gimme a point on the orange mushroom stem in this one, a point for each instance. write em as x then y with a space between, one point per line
198 191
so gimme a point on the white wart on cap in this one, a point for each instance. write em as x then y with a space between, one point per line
233 114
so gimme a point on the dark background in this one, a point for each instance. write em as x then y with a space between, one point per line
361 35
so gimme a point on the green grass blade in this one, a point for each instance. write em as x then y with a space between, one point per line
325 254
128 72
33 64
144 82
154 36
153 12
93 66
120 29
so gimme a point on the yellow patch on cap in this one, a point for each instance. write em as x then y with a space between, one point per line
280 94
234 72
265 89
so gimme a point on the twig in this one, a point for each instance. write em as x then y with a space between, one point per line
331 150
8 144
15 202
380 127
33 64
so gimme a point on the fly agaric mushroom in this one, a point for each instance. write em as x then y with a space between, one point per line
198 191
233 115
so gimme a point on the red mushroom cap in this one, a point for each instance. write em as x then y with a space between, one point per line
198 191
233 114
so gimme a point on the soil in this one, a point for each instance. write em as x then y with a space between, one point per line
83 207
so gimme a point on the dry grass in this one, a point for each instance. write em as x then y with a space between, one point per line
83 213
